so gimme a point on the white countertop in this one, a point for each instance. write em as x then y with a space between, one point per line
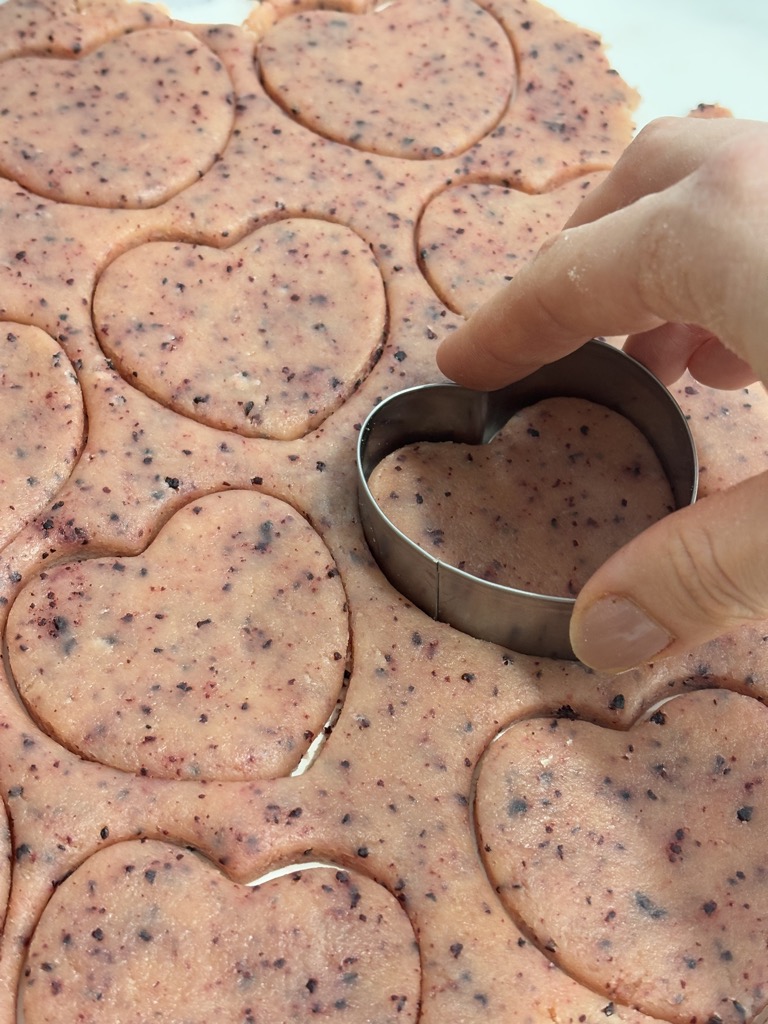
677 53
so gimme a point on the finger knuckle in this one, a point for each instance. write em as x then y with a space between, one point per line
733 178
551 314
655 138
664 282
650 149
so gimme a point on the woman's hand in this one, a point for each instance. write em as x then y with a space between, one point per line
672 249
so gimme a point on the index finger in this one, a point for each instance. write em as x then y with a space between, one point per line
692 253
585 283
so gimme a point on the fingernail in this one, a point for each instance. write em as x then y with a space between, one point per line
615 634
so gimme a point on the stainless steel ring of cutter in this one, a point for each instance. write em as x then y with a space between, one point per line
519 620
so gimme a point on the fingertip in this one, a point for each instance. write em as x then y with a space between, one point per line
614 633
482 352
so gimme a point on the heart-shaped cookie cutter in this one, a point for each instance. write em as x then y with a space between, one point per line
519 620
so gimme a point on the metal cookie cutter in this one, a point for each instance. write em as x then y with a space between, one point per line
519 620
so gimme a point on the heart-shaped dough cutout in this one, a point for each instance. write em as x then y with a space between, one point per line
128 125
150 931
219 653
561 487
41 423
638 859
266 338
411 80
474 238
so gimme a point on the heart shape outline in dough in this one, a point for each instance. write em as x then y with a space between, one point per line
636 860
227 670
266 338
101 131
418 81
126 929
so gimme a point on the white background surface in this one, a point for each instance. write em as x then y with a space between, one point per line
677 53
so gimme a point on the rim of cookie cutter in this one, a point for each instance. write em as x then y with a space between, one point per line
519 620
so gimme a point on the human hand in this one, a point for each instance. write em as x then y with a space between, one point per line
671 250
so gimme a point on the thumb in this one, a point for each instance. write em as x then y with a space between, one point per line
691 577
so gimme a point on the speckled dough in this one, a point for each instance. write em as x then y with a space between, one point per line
218 653
203 725
560 488
320 944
